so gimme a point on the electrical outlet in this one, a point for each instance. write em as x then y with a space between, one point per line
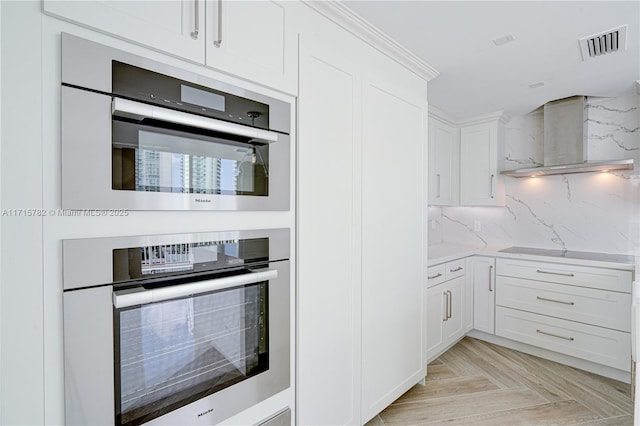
477 227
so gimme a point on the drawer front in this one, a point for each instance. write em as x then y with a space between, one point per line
584 276
455 269
591 306
595 344
436 275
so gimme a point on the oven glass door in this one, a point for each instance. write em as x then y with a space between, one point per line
168 354
156 158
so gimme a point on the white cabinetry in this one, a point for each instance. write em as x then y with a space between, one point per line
580 311
480 148
444 163
256 39
482 269
446 301
361 137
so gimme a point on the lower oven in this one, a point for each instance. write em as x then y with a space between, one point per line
175 329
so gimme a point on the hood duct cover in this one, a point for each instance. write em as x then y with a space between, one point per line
565 142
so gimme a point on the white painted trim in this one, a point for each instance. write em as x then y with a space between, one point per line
638 86
581 364
337 12
486 118
443 116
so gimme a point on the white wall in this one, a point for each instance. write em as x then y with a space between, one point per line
585 211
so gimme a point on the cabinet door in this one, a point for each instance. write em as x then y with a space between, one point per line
436 303
468 296
483 270
444 156
172 26
478 165
254 39
393 224
453 327
329 291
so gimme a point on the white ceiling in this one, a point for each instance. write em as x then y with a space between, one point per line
476 77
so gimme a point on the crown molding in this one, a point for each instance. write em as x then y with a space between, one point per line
354 23
498 116
441 115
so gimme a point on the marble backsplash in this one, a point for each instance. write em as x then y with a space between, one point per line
597 212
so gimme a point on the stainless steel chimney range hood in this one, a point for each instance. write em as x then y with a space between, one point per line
565 142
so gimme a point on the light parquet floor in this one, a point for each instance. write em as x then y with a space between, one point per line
477 383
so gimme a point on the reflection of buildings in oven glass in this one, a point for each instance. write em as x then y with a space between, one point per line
183 173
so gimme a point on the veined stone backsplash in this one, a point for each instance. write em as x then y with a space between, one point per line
597 212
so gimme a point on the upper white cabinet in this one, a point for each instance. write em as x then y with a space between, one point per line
256 39
444 163
173 26
480 180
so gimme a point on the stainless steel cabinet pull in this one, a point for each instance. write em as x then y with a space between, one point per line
555 335
434 276
491 186
196 17
540 271
556 301
490 276
459 268
438 176
449 297
218 42
446 306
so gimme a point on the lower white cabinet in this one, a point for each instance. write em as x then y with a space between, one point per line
447 316
482 269
580 311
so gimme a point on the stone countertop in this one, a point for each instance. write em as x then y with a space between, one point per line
446 252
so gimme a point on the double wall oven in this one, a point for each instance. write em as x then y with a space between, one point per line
175 329
141 135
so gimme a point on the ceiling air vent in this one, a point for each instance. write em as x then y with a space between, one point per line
603 43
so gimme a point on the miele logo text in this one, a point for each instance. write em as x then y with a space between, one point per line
210 410
201 200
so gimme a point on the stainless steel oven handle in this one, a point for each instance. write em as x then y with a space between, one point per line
139 111
126 299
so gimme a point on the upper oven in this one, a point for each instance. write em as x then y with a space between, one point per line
141 135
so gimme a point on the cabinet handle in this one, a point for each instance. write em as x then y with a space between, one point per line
555 335
459 268
449 297
556 301
491 185
490 276
540 271
196 17
446 306
434 276
218 42
438 176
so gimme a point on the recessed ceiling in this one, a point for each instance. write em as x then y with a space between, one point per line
478 77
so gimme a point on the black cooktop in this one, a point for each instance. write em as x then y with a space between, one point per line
585 255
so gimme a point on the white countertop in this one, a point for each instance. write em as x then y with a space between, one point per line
446 252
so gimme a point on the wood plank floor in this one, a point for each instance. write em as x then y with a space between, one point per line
477 383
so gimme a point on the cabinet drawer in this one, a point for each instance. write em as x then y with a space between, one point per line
584 276
595 344
455 269
596 307
436 275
